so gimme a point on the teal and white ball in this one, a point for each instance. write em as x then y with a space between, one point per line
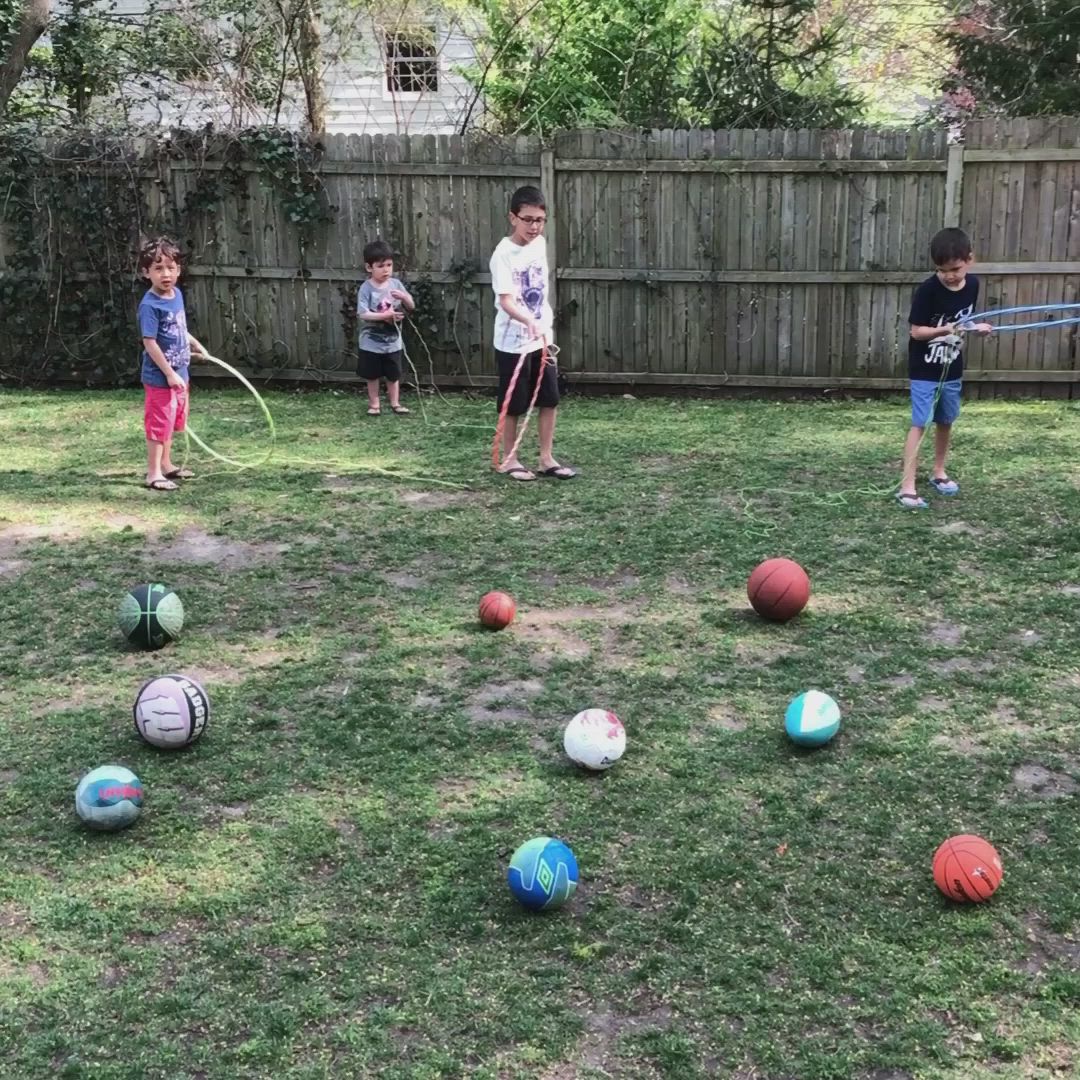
812 719
595 739
109 797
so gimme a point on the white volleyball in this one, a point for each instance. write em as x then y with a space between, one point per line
595 739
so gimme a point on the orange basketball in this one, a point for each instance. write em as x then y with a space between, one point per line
967 868
778 589
497 610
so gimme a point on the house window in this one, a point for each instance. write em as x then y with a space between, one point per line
412 62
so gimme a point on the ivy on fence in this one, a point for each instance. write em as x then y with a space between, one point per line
74 210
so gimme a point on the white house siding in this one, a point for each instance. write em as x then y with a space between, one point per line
358 101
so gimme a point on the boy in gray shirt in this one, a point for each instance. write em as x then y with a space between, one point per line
379 306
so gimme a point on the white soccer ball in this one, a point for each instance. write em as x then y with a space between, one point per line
595 739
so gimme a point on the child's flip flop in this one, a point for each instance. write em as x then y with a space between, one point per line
944 486
912 502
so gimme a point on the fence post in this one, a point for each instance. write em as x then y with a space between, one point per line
954 185
547 186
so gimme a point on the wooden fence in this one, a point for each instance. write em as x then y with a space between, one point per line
770 259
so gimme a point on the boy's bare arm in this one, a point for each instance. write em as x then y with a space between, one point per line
197 347
406 300
928 333
153 350
381 316
522 315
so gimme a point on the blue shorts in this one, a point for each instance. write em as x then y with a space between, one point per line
947 408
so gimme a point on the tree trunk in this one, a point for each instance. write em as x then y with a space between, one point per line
309 62
32 23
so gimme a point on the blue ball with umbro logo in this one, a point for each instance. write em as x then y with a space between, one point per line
543 873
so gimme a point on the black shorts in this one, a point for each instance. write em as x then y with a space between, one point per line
547 398
379 365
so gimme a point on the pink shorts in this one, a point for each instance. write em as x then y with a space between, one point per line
166 411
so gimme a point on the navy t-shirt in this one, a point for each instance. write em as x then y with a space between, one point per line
164 320
934 305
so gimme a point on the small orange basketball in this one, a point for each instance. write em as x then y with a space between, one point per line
497 610
966 867
778 589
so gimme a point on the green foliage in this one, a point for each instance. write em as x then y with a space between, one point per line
74 216
653 63
1018 57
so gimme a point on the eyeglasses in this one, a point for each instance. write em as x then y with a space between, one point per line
532 220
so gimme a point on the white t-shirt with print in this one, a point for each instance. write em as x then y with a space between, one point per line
521 271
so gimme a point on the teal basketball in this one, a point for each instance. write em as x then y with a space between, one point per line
812 719
109 797
151 616
543 873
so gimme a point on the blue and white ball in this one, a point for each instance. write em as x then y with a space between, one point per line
543 873
812 719
109 797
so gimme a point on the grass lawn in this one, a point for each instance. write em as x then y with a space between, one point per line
317 888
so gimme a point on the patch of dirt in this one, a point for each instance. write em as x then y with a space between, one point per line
597 1048
424 700
239 663
958 744
958 528
855 674
434 500
461 791
1028 637
14 537
12 567
624 580
760 654
679 586
404 580
76 696
8 776
236 811
724 716
1071 590
900 682
1043 783
196 546
12 917
548 630
930 703
963 664
887 1074
945 633
1048 949
481 707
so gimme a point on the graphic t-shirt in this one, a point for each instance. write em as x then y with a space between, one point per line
934 305
164 320
379 337
521 271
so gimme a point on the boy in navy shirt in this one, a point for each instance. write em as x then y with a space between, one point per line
935 358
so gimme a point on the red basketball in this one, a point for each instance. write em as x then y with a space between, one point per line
497 610
778 589
967 868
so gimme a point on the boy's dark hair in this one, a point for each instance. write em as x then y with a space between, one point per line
161 247
377 251
948 245
527 196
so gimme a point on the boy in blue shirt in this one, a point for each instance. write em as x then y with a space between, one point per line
166 355
935 359
378 305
